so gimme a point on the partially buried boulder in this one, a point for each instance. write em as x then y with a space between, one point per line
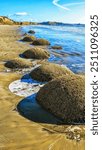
56 47
41 42
64 97
31 31
18 63
36 53
48 71
28 38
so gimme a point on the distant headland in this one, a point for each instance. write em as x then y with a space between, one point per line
7 21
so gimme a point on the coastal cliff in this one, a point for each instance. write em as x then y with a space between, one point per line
7 21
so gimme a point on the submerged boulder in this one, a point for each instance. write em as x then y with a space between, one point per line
48 71
64 97
28 38
41 42
31 31
25 34
18 63
36 53
56 47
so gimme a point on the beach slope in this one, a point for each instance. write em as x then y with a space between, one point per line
17 132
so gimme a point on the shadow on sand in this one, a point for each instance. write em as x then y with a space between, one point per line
30 109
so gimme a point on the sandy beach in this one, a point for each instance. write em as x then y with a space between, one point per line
17 132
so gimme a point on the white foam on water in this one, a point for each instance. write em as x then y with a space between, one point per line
24 89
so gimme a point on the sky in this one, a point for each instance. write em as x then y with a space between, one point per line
67 11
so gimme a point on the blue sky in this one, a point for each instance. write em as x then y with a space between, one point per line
69 11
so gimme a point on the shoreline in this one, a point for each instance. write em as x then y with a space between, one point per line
71 54
18 132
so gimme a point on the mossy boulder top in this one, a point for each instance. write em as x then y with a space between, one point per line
18 63
36 53
41 42
56 47
64 97
31 31
48 71
28 38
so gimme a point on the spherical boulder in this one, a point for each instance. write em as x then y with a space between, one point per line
28 38
18 63
48 71
36 53
31 31
64 97
41 42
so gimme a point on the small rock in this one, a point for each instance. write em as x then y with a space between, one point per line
31 31
57 47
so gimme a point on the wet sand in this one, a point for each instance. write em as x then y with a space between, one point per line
17 132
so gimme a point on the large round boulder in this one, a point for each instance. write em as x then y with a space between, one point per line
64 97
36 53
18 63
48 71
41 42
28 38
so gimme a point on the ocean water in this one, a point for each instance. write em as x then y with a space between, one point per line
71 38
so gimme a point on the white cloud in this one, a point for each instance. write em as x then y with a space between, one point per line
65 6
55 2
21 14
72 4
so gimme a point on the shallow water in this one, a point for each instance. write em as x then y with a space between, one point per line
71 38
30 109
